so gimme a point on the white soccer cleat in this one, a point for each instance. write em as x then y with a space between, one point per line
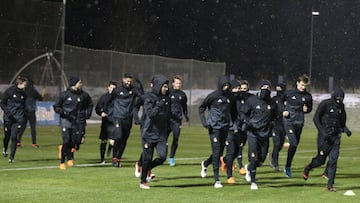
203 172
218 184
247 175
253 186
144 186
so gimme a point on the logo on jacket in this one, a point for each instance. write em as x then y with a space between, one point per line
293 97
14 96
69 99
219 100
332 111
303 99
269 107
258 107
121 93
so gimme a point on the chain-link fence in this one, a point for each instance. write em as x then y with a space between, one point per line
97 67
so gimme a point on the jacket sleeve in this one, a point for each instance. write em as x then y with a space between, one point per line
89 106
3 102
58 106
202 108
317 118
309 103
185 107
152 107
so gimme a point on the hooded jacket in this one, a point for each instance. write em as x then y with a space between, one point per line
330 116
218 105
260 115
156 116
13 104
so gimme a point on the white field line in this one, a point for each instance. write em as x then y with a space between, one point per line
188 159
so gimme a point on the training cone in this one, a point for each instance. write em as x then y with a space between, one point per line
349 193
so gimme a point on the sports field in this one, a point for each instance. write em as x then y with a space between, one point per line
35 177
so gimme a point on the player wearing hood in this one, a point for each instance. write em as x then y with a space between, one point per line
262 112
217 122
155 127
330 121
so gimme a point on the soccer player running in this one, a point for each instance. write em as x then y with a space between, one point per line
106 126
297 102
217 122
74 106
32 95
178 108
330 121
262 111
235 138
13 105
278 131
155 124
120 113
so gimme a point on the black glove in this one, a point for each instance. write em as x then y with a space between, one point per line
161 103
347 131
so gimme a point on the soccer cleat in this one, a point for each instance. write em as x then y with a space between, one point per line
35 146
59 153
102 162
287 171
11 161
218 184
150 176
253 186
242 171
277 169
223 165
306 172
171 162
5 154
70 163
203 172
247 174
137 170
144 186
62 166
331 189
231 180
116 162
324 176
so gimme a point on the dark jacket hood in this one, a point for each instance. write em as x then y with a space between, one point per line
223 79
338 92
158 81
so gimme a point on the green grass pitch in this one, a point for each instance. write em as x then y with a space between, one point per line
35 176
